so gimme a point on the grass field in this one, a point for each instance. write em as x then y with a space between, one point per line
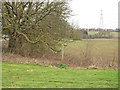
102 52
96 46
35 76
113 34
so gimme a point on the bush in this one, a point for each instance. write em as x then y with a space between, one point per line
61 65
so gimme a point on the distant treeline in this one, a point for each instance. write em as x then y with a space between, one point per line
79 34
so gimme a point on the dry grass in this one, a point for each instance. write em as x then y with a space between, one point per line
14 58
93 53
102 53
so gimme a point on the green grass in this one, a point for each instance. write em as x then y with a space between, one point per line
35 76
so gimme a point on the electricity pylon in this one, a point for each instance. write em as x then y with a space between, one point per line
101 24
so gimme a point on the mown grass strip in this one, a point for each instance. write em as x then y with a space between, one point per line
35 76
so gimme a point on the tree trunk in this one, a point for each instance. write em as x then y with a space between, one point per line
12 44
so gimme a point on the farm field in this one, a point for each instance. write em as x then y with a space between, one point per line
36 76
100 52
113 34
96 46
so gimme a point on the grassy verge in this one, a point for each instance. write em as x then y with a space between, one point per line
35 76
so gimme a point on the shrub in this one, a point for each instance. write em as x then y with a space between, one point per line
61 65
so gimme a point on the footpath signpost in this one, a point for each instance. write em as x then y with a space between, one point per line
63 45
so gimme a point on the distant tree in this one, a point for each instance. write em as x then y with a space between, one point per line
85 32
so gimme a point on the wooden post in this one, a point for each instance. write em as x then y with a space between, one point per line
62 52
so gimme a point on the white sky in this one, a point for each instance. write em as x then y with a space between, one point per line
87 13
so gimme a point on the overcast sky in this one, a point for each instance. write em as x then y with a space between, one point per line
87 13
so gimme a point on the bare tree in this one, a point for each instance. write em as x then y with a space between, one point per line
23 20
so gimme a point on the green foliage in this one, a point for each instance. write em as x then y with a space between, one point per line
85 32
61 65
